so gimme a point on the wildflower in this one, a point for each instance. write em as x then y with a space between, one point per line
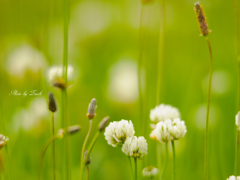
117 132
178 129
201 19
52 104
55 76
150 172
135 147
3 141
238 120
91 108
233 178
163 112
102 125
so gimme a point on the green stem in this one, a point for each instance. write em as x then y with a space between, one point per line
238 58
158 159
160 51
208 110
130 163
166 159
87 172
53 148
90 147
174 165
42 157
83 149
135 160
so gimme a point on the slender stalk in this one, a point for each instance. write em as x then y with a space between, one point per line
42 157
160 50
158 159
174 163
208 110
238 58
64 90
83 149
166 159
92 142
135 160
130 163
87 172
53 149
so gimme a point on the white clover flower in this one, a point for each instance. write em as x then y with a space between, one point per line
233 178
55 76
3 141
117 132
163 112
150 172
237 120
169 130
135 147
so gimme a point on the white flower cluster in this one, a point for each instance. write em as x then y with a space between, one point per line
237 119
233 178
117 132
3 141
55 75
135 147
150 172
163 112
121 134
169 126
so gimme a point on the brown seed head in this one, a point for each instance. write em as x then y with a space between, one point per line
74 129
201 19
102 125
87 160
52 104
91 108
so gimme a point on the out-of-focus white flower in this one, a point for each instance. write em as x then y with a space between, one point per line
117 132
169 130
163 112
55 76
3 141
150 172
237 120
123 82
23 59
233 178
135 147
30 117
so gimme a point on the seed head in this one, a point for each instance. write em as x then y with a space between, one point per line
52 104
91 108
201 19
87 160
74 129
102 125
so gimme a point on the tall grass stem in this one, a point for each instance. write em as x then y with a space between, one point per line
166 159
174 161
158 159
53 149
208 111
130 163
135 160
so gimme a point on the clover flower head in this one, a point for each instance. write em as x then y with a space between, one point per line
3 141
237 119
233 178
178 129
55 76
117 132
135 147
163 112
150 172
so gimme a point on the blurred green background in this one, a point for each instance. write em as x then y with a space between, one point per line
104 51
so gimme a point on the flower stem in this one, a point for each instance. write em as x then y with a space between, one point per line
208 110
130 163
53 148
83 149
238 58
42 157
90 147
135 160
160 50
158 159
166 159
174 163
87 172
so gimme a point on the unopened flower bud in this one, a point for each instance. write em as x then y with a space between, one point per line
74 129
52 104
102 125
61 134
201 19
87 160
3 141
91 108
